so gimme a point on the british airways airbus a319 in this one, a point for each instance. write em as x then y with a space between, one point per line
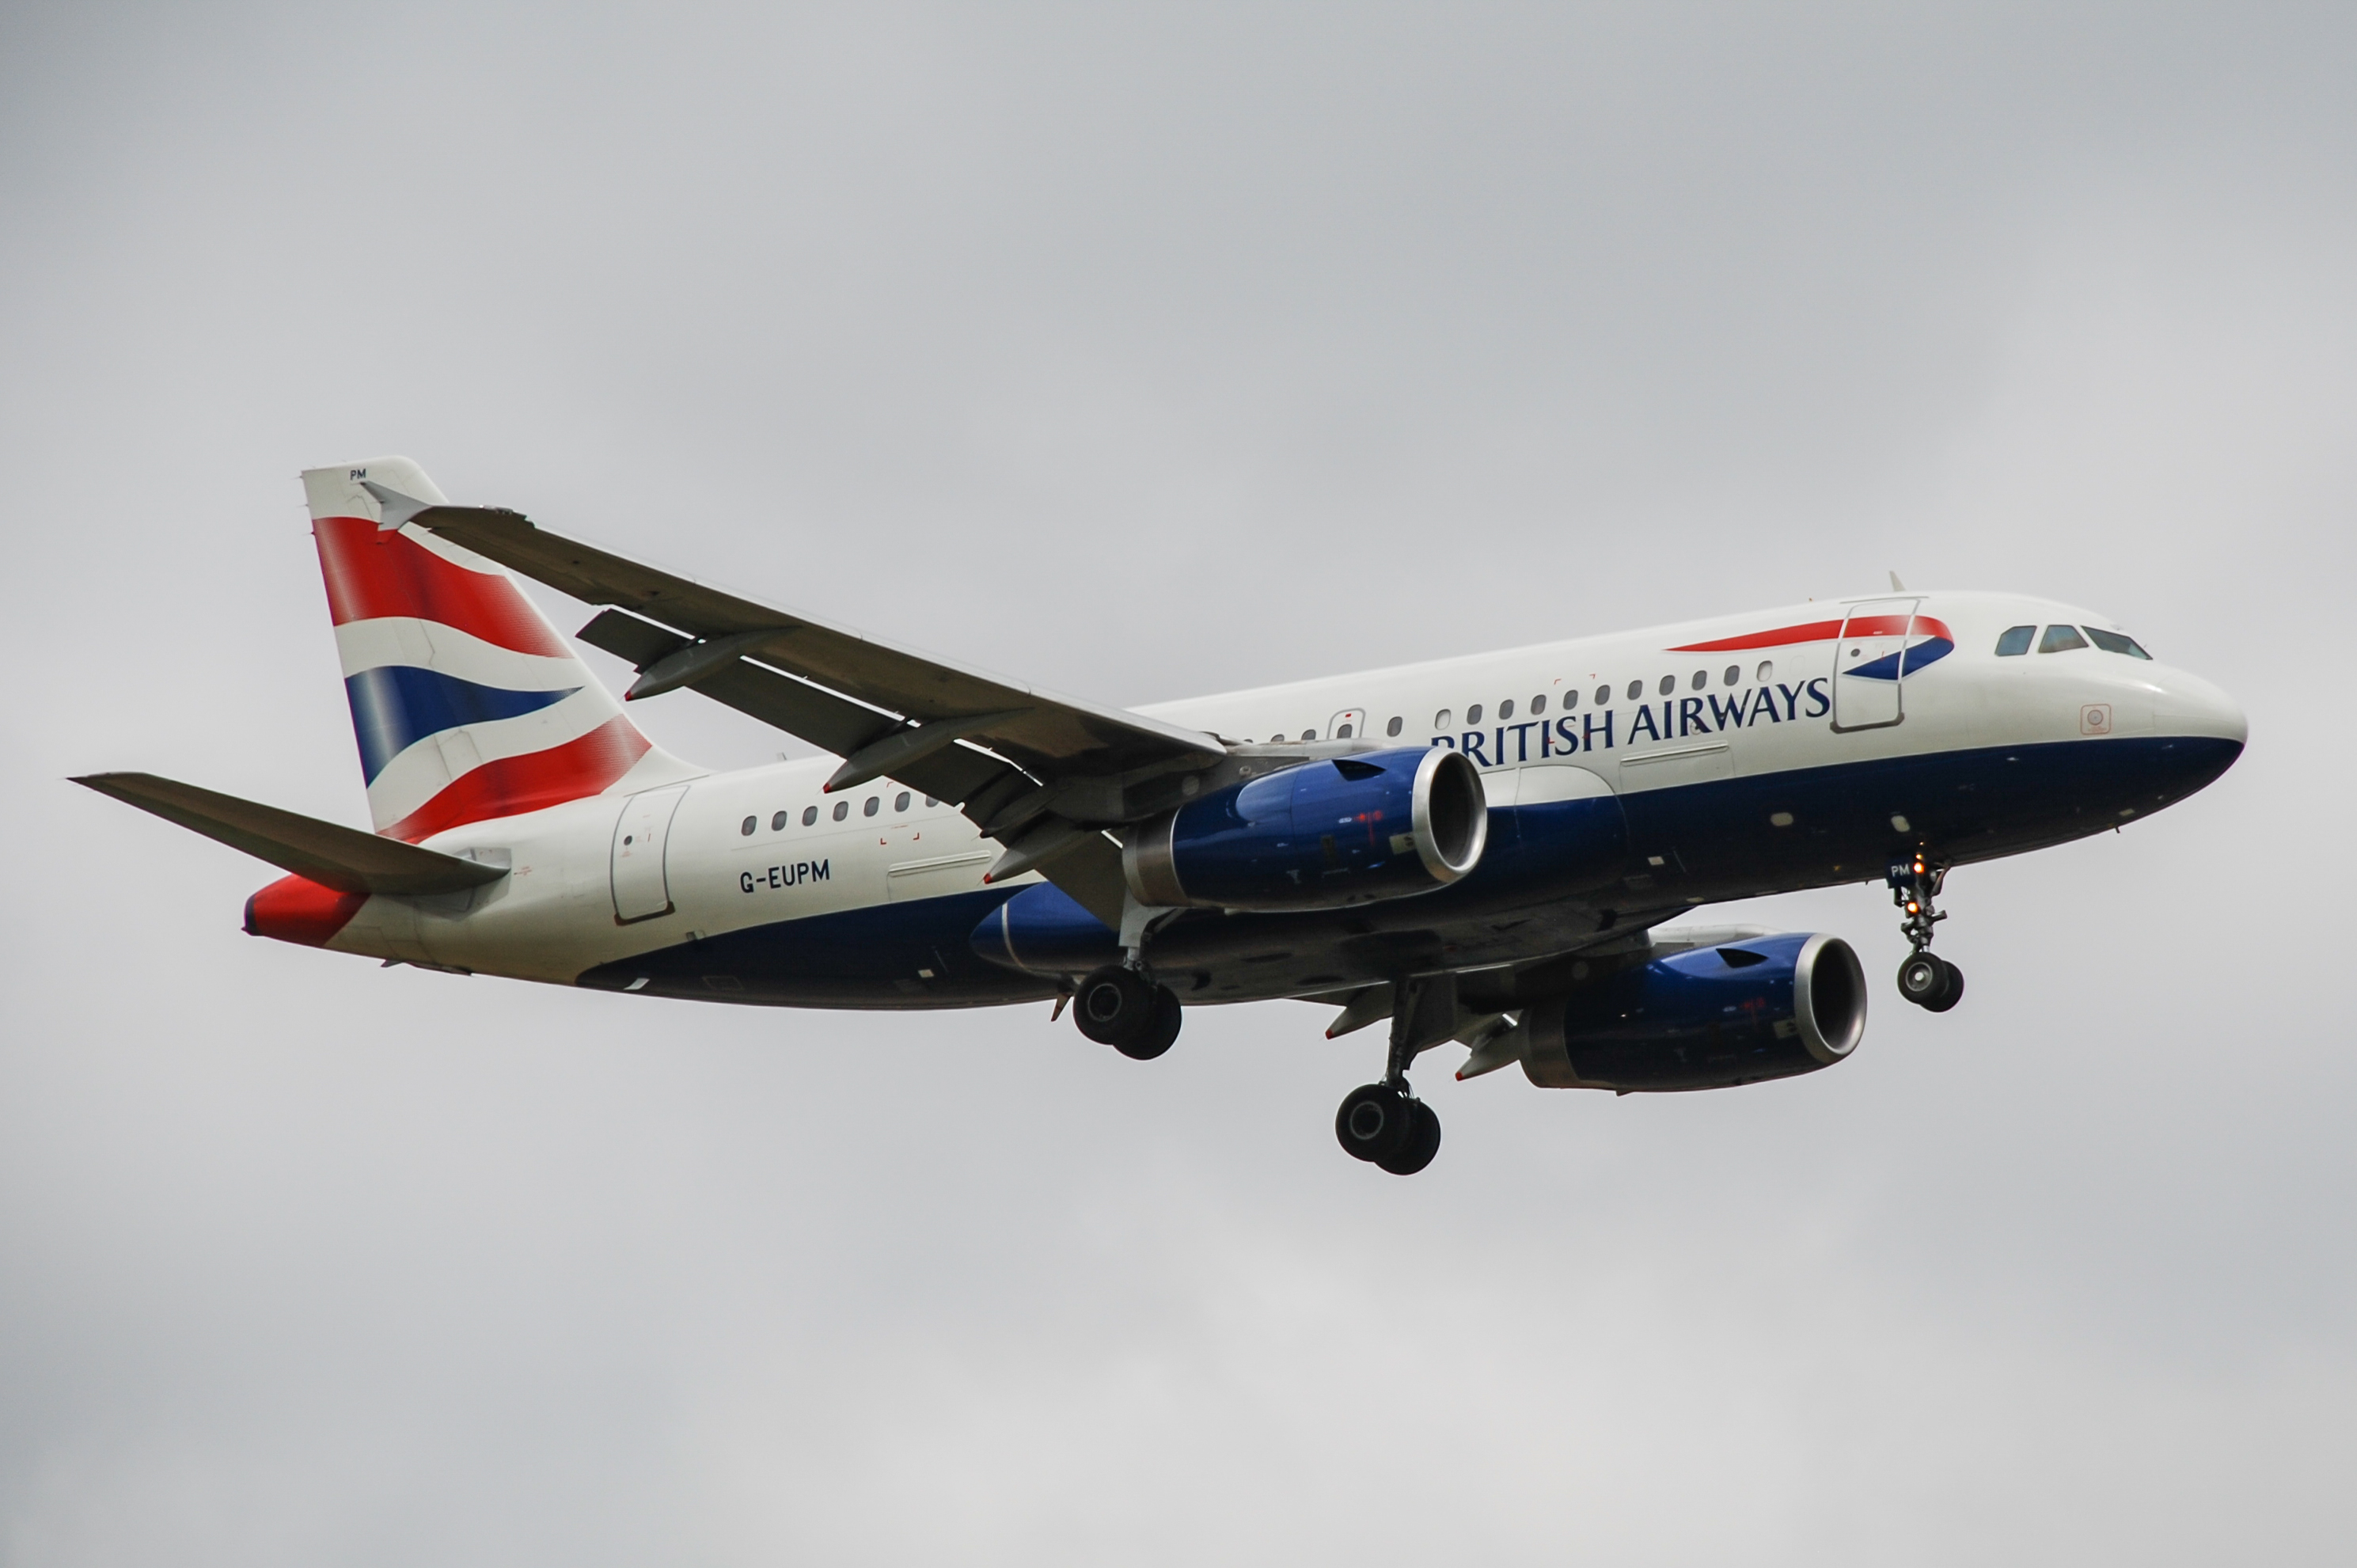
1482 851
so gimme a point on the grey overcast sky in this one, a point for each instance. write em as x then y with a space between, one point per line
1147 350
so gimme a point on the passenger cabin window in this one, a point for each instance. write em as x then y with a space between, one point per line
1734 675
1443 719
809 815
1701 679
1766 672
2015 641
1538 704
777 822
1669 684
1473 715
1636 690
1603 696
1309 734
2060 639
1505 710
2114 643
842 810
1396 725
869 809
750 823
902 804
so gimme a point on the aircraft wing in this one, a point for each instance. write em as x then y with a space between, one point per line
1041 773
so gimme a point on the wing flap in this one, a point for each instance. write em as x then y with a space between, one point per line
345 859
811 713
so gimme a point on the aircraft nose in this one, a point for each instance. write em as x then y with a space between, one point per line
2192 706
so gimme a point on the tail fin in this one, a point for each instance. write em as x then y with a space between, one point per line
467 703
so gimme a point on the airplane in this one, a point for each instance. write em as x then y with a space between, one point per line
1487 850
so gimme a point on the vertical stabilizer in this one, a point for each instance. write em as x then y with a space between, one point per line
465 702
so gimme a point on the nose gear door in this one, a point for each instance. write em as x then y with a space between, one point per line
641 891
1870 665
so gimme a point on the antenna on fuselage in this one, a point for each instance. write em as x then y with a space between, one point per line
1896 586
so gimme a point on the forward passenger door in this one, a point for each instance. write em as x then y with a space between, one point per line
1870 665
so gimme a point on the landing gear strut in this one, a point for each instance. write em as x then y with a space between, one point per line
1122 1007
1930 981
1384 1124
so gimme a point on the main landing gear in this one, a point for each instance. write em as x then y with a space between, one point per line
1927 980
1384 1124
1388 1127
1120 1006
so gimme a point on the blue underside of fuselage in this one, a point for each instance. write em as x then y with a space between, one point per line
1543 887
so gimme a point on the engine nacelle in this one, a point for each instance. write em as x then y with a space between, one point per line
1317 835
1709 1019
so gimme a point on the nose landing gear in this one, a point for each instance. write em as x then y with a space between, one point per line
1927 980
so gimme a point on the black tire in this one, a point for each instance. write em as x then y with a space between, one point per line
1374 1123
1930 981
1161 1031
1114 1006
1955 992
1423 1141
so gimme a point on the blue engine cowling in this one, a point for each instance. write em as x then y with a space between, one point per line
1042 931
1317 835
1711 1019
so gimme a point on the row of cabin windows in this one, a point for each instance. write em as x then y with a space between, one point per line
2062 638
873 804
1445 718
1667 685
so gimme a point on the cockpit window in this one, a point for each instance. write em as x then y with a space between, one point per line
2113 642
2016 641
2060 639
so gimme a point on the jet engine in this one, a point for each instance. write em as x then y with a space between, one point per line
1709 1019
1317 835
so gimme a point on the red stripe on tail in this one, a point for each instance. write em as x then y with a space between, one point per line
513 785
373 573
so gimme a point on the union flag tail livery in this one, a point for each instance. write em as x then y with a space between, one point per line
466 703
1485 851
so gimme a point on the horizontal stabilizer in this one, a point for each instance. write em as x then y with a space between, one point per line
345 859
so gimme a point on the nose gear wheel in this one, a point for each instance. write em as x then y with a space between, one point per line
1930 981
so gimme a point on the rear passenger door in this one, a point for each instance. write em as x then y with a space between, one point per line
641 890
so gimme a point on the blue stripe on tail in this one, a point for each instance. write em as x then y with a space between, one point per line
395 706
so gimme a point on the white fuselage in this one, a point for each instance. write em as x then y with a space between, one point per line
768 847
